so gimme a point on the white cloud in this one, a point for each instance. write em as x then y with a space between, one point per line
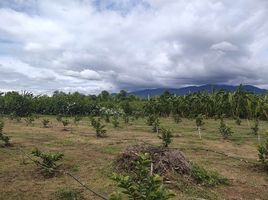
128 44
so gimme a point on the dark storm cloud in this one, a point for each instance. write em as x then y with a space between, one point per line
90 45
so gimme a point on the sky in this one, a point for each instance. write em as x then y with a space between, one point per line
94 45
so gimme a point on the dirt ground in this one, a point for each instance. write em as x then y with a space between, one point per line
91 158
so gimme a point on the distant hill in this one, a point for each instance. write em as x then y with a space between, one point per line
193 89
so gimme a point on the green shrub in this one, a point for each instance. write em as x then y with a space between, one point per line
59 118
165 136
151 119
156 125
3 137
115 122
176 118
207 178
238 121
29 120
68 194
77 119
65 123
126 118
99 128
47 161
45 123
141 184
255 127
225 130
199 123
263 153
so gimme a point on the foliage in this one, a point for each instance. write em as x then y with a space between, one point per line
238 121
3 137
225 130
199 120
176 118
77 119
100 128
151 119
263 153
65 122
156 125
47 161
59 118
68 194
141 185
29 120
165 136
45 123
207 178
238 103
255 127
126 118
115 121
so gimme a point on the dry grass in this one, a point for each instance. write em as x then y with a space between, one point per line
91 158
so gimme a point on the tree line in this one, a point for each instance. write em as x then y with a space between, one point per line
238 104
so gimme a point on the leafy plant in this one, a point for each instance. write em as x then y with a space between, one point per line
45 123
100 128
151 119
255 127
29 120
176 118
69 194
156 125
126 118
263 153
141 185
3 137
115 122
77 119
165 136
47 161
207 178
65 123
199 123
59 118
225 130
238 121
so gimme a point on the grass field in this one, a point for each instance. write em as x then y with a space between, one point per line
90 158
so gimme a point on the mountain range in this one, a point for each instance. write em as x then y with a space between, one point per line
193 89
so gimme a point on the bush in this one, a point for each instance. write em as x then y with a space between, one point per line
59 118
100 131
141 184
263 153
77 119
67 194
115 122
29 120
255 127
225 130
207 178
238 121
151 119
156 125
48 161
3 137
176 118
126 118
45 123
165 136
65 123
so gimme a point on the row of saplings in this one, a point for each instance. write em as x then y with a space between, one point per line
141 169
